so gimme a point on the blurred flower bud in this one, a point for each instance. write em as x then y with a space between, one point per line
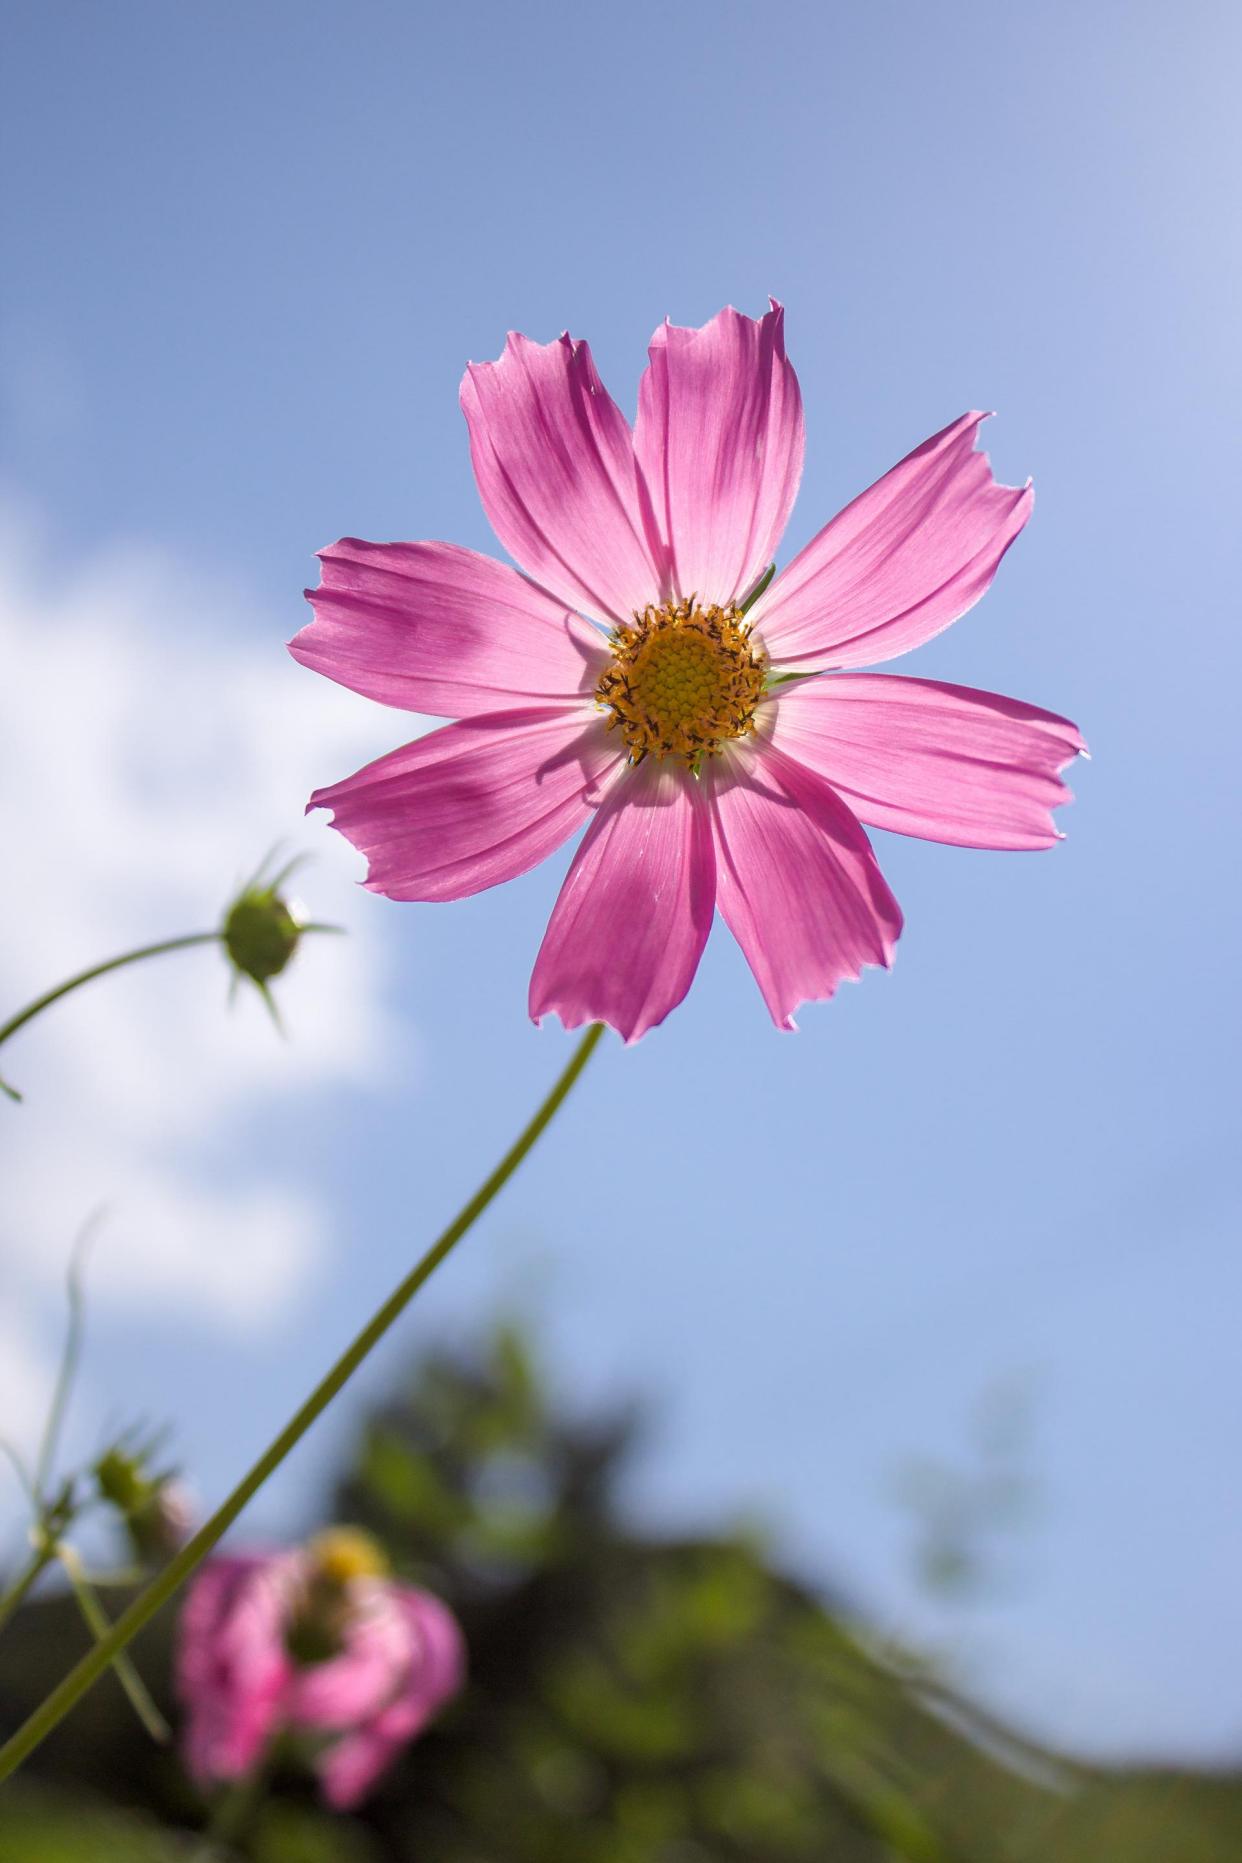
120 1478
163 1526
156 1509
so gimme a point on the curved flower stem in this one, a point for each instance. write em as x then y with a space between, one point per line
26 1580
87 976
179 1568
69 1358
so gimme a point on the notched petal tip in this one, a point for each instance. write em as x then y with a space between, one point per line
571 1021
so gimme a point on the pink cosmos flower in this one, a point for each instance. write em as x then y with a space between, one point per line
638 673
314 1642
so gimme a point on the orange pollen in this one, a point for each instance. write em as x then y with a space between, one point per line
683 680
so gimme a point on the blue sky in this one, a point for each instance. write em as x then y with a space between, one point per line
249 252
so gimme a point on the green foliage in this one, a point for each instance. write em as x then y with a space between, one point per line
40 1826
630 1700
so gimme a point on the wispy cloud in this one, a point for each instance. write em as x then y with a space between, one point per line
157 741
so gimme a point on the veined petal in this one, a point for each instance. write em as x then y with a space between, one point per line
923 758
474 803
554 461
900 563
797 882
720 439
431 627
628 930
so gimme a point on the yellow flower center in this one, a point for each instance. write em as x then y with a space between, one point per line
341 1554
682 681
339 1559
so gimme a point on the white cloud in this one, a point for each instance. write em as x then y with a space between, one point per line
25 1389
156 741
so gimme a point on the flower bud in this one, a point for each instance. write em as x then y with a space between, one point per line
165 1523
156 1509
261 933
262 930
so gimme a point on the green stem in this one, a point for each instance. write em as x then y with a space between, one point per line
233 1813
26 1580
87 976
179 1568
97 1622
69 1357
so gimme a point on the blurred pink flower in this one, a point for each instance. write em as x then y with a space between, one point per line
315 1641
719 743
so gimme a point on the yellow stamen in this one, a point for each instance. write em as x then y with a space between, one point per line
341 1554
683 680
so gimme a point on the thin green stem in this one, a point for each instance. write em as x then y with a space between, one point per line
13 1457
234 1811
69 1357
179 1568
26 1580
49 997
99 1625
758 589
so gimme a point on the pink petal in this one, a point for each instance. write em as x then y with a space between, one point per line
232 1668
431 627
351 1766
359 1681
628 929
554 460
720 440
924 758
474 803
899 564
797 882
441 1668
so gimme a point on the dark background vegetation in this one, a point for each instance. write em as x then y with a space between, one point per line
631 1700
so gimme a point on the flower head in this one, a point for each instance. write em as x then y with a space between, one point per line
319 1643
644 674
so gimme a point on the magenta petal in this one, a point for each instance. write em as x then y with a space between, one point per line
232 1669
360 1679
431 627
923 758
901 562
351 1766
554 460
628 929
474 803
720 440
797 882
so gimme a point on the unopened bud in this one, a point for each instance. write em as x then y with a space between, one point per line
156 1509
261 933
122 1480
262 930
163 1526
